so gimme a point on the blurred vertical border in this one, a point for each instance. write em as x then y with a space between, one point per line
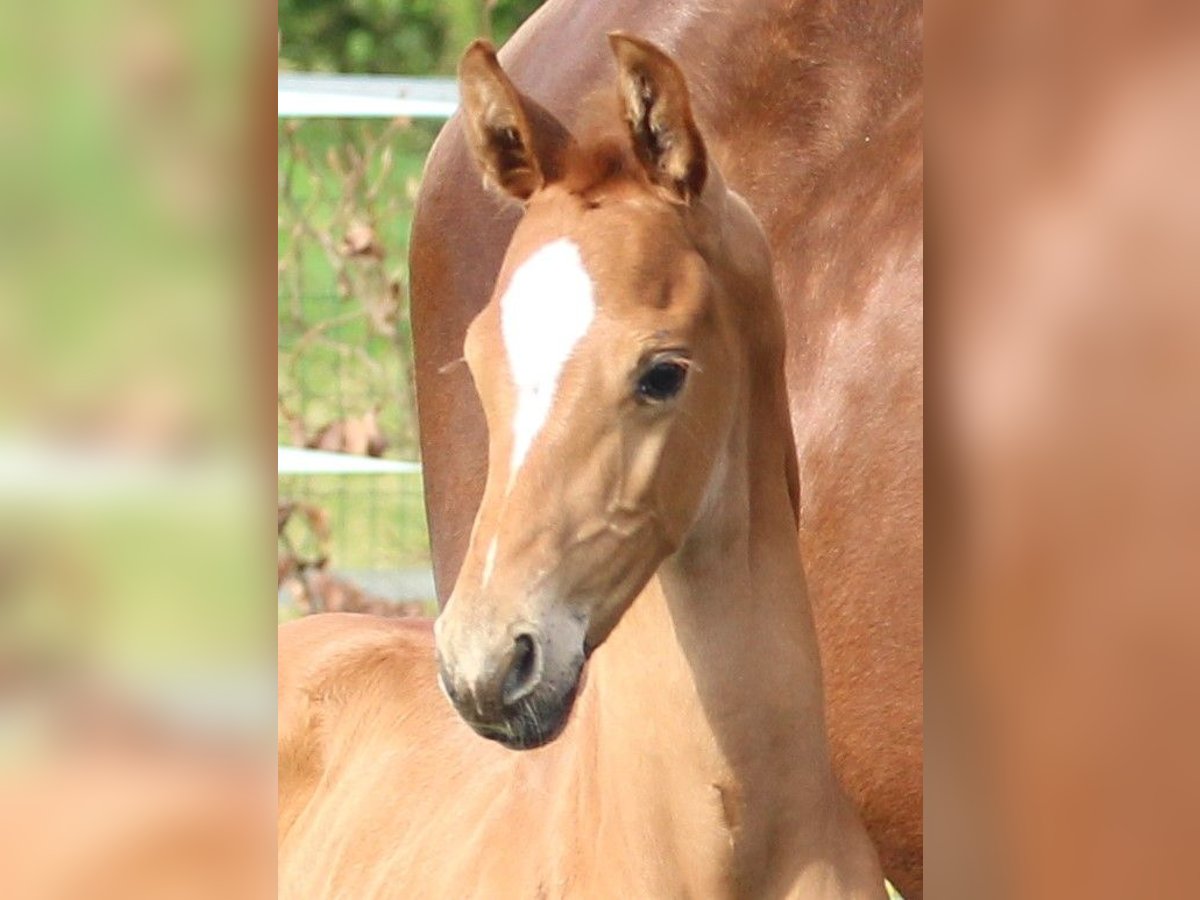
136 465
1063 490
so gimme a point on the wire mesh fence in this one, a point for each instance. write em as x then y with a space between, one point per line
349 541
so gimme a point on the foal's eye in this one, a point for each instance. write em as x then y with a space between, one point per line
662 381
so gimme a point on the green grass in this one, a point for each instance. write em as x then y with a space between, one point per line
313 179
354 367
376 521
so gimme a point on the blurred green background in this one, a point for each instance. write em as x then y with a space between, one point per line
395 37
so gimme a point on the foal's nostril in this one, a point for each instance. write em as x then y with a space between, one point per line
524 671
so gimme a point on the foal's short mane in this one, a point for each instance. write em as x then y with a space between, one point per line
601 164
603 156
597 157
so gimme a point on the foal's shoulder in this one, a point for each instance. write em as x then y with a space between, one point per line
337 673
336 655
315 648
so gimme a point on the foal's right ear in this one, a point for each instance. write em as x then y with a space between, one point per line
517 145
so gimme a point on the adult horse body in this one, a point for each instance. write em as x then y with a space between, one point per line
631 613
812 111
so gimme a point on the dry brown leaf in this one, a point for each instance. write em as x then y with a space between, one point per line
360 240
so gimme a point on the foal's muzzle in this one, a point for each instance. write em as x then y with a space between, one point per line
508 695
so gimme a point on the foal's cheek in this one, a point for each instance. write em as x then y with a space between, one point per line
645 458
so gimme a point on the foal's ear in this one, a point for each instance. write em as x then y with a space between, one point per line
654 102
517 145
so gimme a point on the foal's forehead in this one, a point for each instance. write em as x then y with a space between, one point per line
631 255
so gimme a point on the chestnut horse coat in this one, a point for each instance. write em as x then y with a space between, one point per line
813 112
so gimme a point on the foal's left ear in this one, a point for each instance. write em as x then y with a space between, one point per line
655 104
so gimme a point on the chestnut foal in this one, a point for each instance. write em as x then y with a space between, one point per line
630 629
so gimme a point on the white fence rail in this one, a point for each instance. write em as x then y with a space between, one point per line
295 461
313 95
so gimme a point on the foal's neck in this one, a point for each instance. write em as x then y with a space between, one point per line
736 598
711 683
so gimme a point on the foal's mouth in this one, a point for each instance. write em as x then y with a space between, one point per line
533 722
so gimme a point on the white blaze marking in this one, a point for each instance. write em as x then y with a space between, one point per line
546 310
489 561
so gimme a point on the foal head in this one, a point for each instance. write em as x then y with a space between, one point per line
608 362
